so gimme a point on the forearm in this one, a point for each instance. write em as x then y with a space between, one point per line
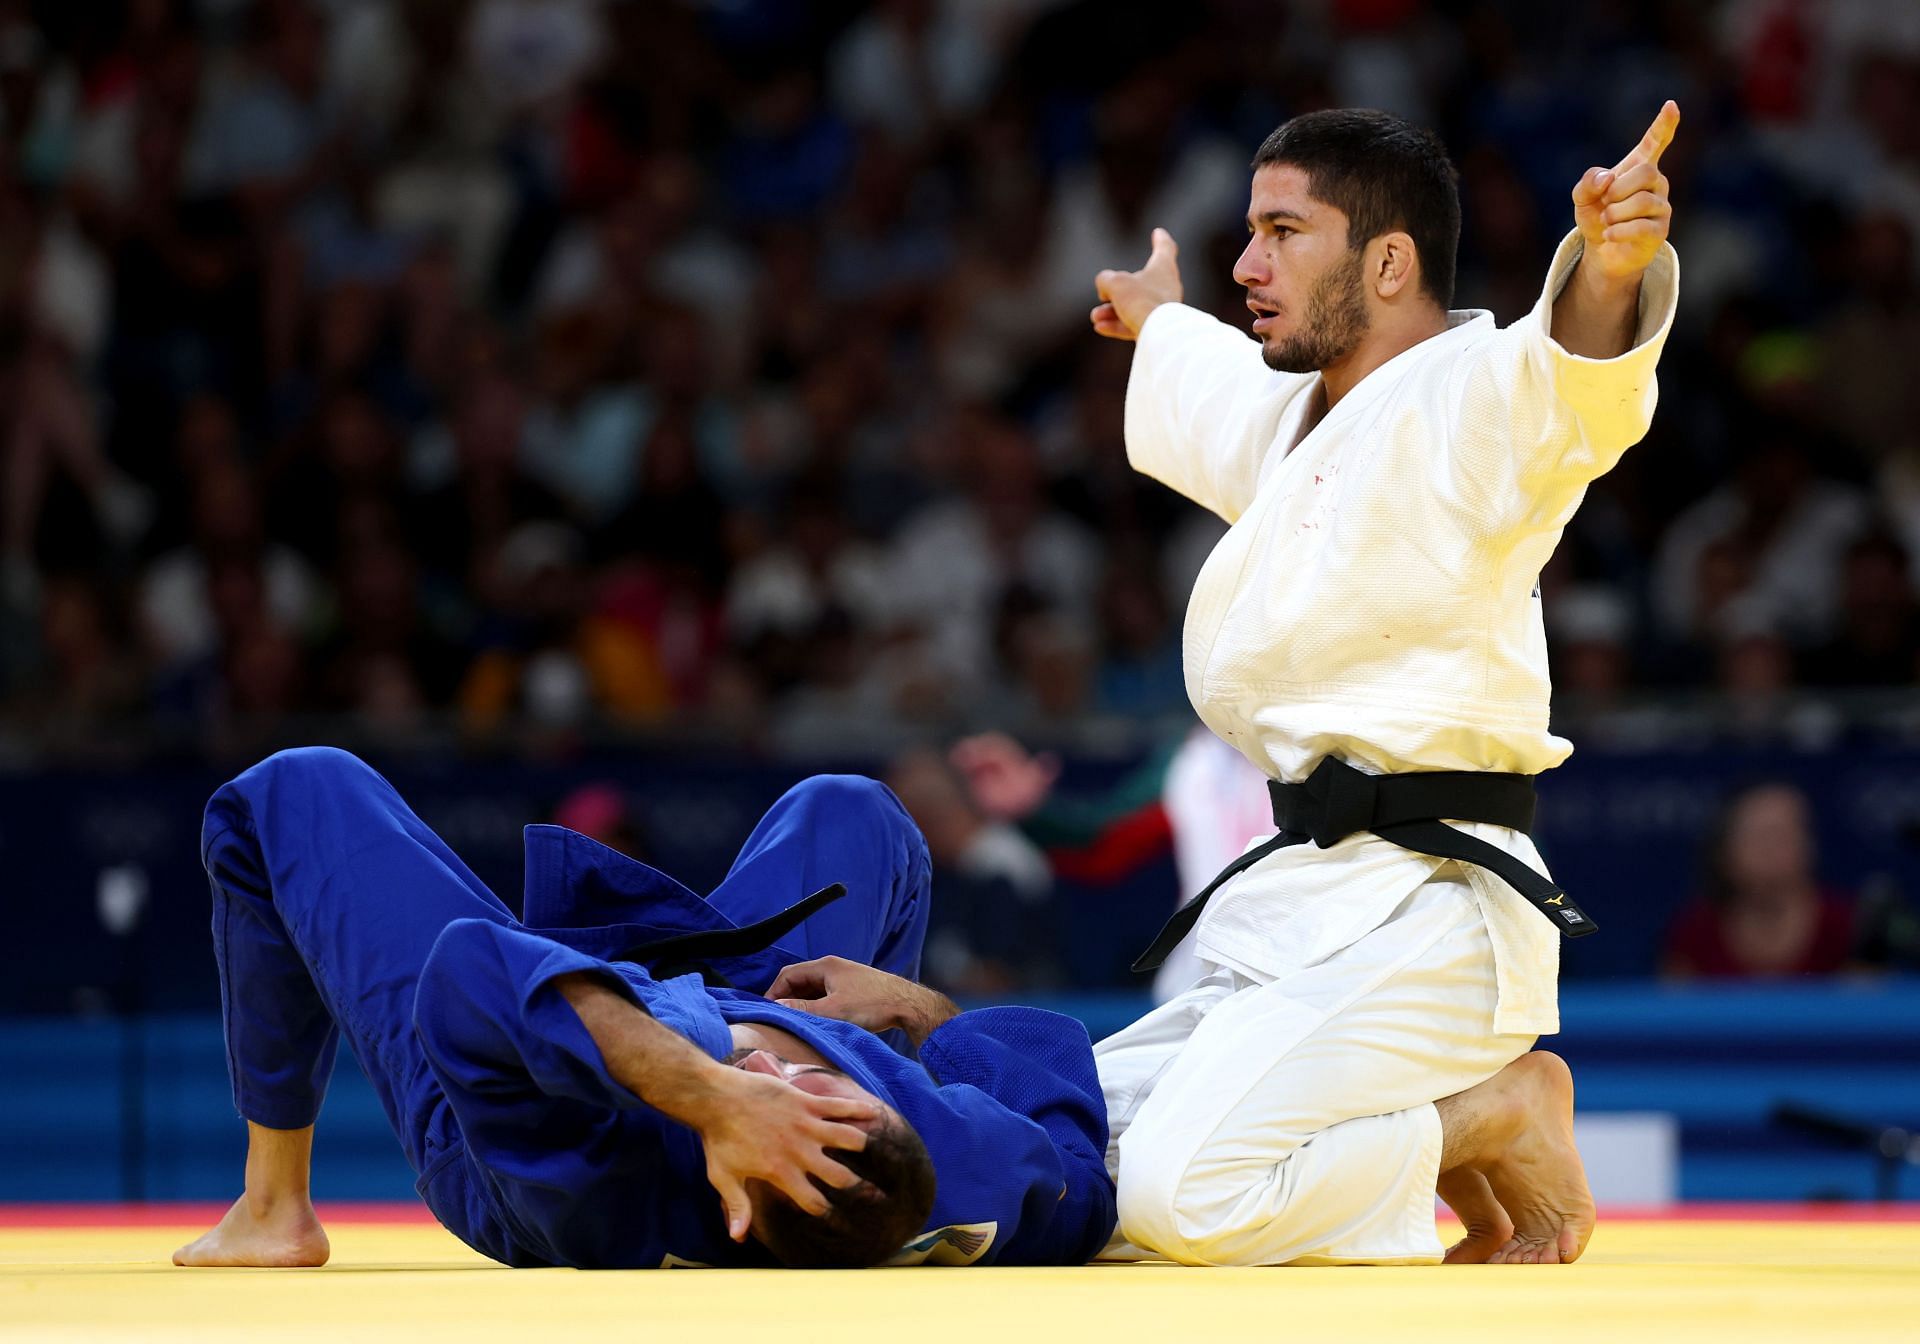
1595 317
924 1013
656 1064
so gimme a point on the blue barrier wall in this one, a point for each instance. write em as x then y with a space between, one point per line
1621 831
103 1110
94 1108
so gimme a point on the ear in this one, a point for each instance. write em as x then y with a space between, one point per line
1395 265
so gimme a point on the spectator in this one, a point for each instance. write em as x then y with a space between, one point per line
954 560
651 273
1792 527
1764 912
1878 639
1140 671
992 926
177 611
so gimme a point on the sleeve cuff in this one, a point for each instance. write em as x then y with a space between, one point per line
1619 389
1659 300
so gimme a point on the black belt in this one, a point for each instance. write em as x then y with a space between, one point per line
1337 801
685 952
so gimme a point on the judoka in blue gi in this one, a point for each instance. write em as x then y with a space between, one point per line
563 1104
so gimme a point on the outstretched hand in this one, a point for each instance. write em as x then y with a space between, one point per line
866 996
1623 212
764 1129
1129 296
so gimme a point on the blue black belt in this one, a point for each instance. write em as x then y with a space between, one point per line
696 951
1337 801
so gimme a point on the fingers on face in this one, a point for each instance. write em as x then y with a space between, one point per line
851 1110
835 1175
806 1194
733 1203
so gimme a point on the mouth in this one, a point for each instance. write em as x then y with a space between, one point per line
1264 315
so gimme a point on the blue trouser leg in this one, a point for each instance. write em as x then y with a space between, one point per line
837 828
328 894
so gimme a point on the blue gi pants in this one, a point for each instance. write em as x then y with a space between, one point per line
328 893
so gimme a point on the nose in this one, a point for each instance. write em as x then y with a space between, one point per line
763 1061
1251 269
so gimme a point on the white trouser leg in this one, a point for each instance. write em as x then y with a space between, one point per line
1292 1121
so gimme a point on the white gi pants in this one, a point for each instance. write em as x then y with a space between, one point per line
1291 1121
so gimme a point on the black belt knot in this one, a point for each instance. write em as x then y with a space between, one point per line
1342 801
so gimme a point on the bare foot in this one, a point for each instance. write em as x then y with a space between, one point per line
1487 1226
1538 1178
284 1234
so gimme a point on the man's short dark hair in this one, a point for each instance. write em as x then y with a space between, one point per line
866 1224
1386 174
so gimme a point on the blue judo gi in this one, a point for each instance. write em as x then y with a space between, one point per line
336 910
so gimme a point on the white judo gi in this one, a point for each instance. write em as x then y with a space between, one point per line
1375 599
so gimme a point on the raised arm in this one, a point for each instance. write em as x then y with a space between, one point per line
1548 405
1623 216
1202 408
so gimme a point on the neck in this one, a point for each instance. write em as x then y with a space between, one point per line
1386 337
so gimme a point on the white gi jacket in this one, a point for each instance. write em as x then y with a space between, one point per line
1376 596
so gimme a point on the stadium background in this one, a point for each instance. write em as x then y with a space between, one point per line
613 412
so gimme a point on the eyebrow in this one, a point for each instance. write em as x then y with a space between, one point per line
1274 217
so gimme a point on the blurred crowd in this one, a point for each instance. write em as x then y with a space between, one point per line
724 364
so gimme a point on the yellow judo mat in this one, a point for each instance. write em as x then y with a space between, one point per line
1641 1282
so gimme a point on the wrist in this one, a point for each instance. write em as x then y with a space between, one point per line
929 1011
697 1092
1139 320
1596 285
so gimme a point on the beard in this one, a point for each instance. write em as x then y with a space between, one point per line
1335 324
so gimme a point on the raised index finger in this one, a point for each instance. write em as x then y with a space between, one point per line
1654 143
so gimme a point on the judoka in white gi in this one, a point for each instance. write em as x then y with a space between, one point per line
1395 475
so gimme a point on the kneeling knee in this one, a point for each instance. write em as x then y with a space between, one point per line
1153 1214
314 763
850 797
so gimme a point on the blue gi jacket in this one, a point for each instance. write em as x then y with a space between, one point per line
545 1159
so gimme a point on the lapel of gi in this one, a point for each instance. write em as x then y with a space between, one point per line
596 900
